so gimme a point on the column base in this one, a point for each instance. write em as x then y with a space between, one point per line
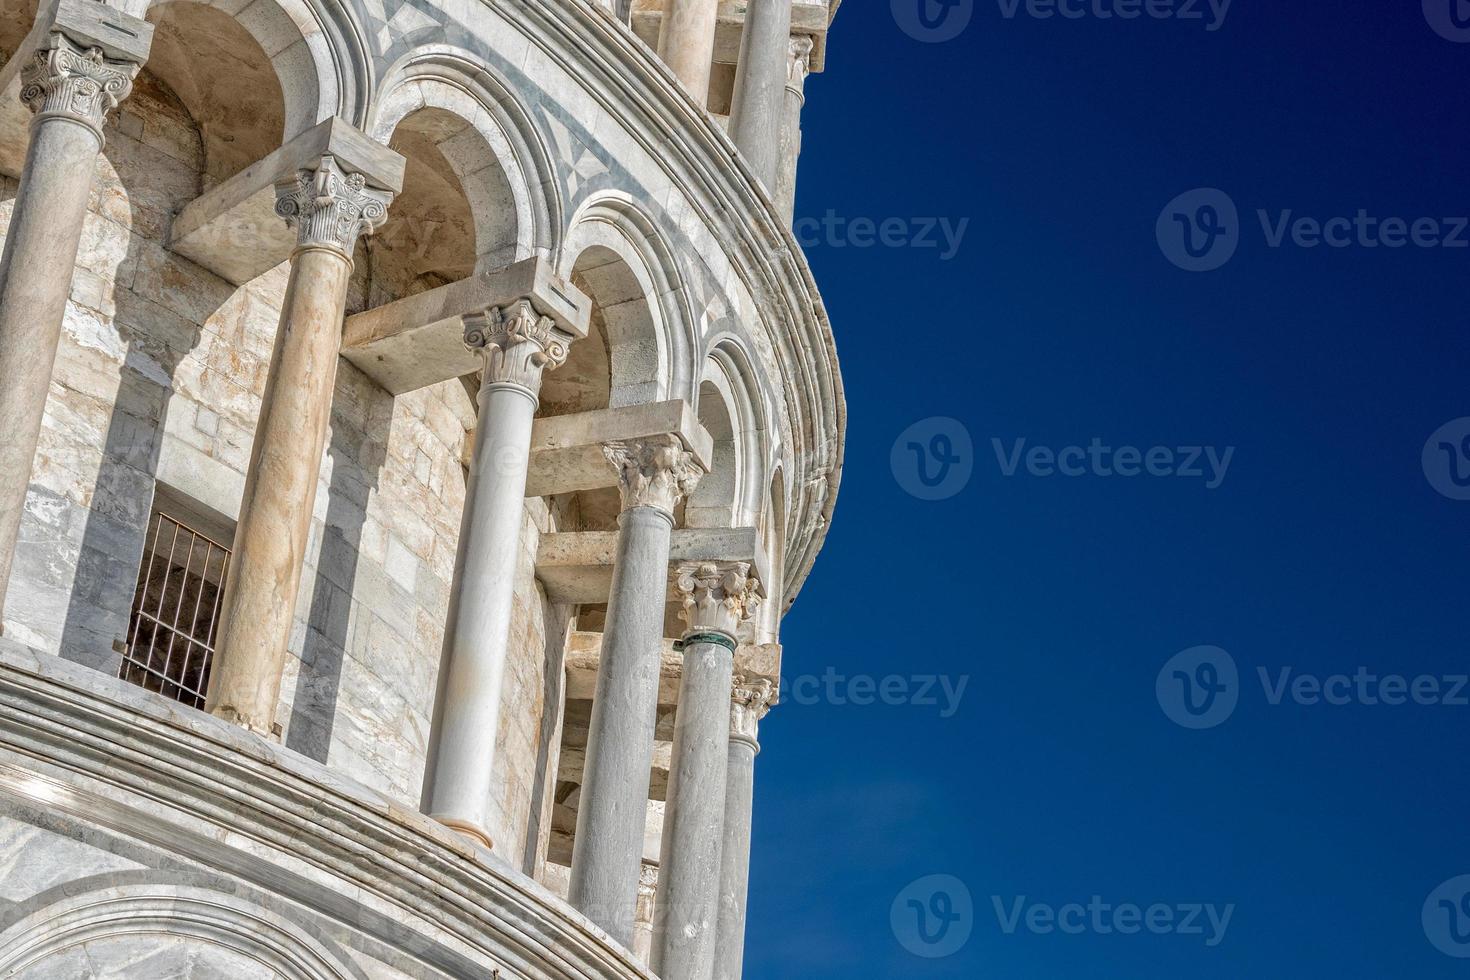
465 829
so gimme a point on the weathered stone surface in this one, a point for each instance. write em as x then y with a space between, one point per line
577 566
234 229
596 169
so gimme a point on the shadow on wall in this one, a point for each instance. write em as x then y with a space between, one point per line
357 460
155 305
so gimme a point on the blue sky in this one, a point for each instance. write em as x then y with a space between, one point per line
1325 548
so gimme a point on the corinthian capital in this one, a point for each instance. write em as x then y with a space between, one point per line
66 80
330 207
799 60
653 472
518 344
717 595
750 699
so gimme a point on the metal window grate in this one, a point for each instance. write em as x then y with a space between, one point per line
176 611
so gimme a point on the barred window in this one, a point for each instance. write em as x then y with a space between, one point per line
176 606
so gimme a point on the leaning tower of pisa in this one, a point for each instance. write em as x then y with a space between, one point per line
416 418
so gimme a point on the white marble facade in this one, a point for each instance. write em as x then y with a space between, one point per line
553 153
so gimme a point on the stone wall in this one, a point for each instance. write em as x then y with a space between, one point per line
159 378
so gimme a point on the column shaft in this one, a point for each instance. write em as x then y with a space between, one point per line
749 701
280 492
518 345
653 474
479 626
686 43
689 864
735 860
70 89
758 109
717 598
613 810
331 209
797 66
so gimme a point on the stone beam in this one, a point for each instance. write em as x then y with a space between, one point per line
577 566
566 450
584 656
419 340
234 231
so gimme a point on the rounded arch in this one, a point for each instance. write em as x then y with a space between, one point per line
773 539
317 53
223 928
732 408
618 257
500 161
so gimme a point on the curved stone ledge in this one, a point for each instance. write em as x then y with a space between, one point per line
151 808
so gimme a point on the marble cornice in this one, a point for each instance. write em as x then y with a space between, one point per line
143 766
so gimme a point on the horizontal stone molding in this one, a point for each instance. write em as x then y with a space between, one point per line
105 752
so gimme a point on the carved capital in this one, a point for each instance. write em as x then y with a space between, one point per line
799 61
65 80
717 595
653 472
750 699
518 344
330 207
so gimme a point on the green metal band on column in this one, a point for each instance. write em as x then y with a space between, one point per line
718 639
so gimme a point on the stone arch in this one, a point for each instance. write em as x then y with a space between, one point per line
491 146
226 929
616 255
731 407
317 56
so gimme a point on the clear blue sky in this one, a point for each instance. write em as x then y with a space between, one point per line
1324 549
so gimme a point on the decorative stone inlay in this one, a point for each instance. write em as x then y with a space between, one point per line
330 208
717 595
799 61
65 80
750 699
518 344
653 472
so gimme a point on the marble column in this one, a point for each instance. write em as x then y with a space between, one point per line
653 474
798 66
751 698
330 208
69 86
758 110
517 344
686 43
717 598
